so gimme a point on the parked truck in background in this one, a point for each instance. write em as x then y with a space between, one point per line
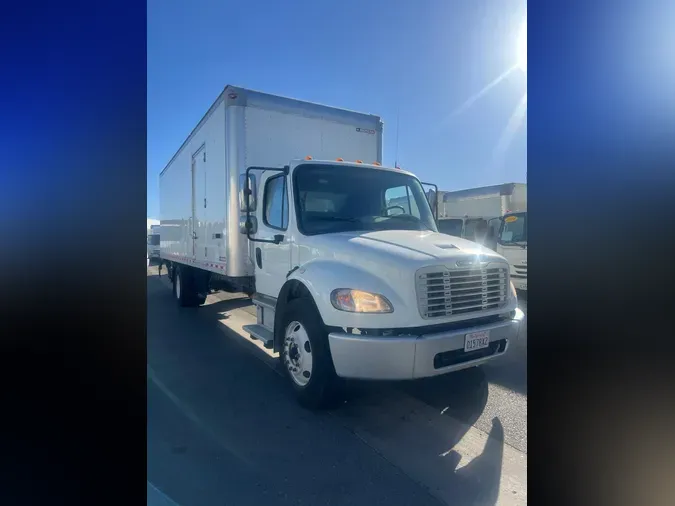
511 232
464 211
153 241
150 223
288 202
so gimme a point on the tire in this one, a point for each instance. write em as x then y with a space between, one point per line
305 356
183 288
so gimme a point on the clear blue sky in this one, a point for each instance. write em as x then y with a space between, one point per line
420 60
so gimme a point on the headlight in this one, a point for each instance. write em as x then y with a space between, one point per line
357 301
513 290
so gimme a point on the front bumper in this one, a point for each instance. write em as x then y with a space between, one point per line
411 357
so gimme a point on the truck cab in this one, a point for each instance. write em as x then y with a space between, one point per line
153 247
512 245
354 280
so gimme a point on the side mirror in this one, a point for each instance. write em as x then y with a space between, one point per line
252 189
249 226
432 198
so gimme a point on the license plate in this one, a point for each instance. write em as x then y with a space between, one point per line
476 340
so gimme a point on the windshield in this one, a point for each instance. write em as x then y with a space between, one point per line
153 240
451 227
513 229
335 198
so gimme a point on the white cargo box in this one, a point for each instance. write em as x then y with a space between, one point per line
486 202
199 187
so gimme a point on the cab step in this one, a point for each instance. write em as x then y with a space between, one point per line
261 333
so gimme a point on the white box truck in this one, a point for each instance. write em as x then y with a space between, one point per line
287 201
512 245
510 232
461 211
153 243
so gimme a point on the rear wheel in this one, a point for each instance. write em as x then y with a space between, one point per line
184 288
306 356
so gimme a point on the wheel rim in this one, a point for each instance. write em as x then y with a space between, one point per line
298 353
177 286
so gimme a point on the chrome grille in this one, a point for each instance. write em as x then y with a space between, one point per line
450 292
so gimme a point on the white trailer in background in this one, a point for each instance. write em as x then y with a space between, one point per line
341 256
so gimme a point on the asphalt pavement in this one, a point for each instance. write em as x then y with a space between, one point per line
224 428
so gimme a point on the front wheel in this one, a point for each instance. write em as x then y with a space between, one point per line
306 356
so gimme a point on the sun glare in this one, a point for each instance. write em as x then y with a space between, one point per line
519 115
522 47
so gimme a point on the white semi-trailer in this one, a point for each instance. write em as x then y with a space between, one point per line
287 201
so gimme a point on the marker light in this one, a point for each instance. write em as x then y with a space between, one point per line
359 161
308 157
378 164
339 159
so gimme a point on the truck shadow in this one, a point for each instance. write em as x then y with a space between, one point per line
422 435
462 395
218 308
478 482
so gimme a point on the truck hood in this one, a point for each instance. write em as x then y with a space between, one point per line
401 245
384 262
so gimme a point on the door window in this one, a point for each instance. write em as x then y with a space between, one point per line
275 205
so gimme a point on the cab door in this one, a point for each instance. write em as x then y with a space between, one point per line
272 261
